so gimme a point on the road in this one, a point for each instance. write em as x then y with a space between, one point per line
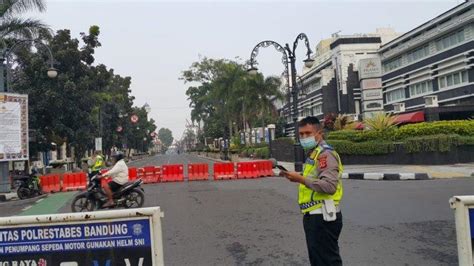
256 222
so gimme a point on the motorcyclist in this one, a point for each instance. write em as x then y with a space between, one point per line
119 174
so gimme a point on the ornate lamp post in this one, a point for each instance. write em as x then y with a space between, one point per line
288 56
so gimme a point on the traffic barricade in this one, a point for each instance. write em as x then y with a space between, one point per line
247 170
172 173
149 175
141 174
198 171
224 171
74 181
265 168
50 183
158 173
132 174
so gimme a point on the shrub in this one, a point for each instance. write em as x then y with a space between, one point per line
381 122
362 136
436 143
362 148
263 153
460 127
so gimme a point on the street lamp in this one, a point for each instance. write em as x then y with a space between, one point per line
288 54
6 52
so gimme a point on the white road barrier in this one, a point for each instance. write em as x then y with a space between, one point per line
464 215
131 237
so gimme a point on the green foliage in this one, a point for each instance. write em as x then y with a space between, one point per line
380 122
434 143
361 136
460 127
222 93
166 137
262 153
362 148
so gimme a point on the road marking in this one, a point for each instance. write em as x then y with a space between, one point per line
40 200
27 207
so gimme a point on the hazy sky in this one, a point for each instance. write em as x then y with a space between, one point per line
154 41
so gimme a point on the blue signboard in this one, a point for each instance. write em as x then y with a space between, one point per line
471 221
126 242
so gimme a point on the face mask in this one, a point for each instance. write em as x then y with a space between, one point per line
308 143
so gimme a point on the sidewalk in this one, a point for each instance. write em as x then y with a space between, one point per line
435 171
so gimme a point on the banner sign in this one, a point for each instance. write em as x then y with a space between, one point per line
13 127
464 216
117 241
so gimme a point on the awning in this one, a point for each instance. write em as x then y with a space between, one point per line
413 117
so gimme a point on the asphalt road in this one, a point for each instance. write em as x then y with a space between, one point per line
256 222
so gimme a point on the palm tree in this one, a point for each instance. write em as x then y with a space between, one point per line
14 27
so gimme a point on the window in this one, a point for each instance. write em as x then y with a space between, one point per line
395 95
392 64
450 40
421 88
418 53
453 79
313 86
318 109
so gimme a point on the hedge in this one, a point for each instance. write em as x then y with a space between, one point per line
436 143
362 148
459 127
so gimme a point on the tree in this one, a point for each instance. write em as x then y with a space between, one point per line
166 137
12 25
83 102
226 98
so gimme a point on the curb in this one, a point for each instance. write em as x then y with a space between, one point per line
16 200
8 196
387 176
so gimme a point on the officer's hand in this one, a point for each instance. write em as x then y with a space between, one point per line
292 176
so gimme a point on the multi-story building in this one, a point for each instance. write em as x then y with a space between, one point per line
333 83
428 71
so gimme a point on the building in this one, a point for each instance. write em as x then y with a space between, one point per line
428 70
333 84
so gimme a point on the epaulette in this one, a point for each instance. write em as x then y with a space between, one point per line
326 146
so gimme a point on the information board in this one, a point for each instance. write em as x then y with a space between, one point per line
101 241
13 127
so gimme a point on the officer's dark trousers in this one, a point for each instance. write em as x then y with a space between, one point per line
322 239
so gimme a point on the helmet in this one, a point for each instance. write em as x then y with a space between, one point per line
118 156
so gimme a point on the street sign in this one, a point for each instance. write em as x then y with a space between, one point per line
118 237
13 127
98 144
464 216
134 118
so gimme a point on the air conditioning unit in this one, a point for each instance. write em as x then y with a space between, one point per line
399 107
431 101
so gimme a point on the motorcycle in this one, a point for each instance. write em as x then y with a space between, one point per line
130 195
27 186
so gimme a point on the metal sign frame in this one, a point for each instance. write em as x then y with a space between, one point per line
154 215
461 206
22 99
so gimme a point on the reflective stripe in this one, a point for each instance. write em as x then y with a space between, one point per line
310 204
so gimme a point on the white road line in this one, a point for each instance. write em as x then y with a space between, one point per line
40 200
26 208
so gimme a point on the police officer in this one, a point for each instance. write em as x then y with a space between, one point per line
320 193
97 163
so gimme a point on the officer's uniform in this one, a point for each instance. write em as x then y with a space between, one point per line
322 171
98 164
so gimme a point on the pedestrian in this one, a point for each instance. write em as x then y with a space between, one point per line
320 194
97 163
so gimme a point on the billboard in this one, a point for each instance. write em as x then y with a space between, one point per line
13 127
118 237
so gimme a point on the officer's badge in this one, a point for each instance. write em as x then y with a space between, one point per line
323 162
137 229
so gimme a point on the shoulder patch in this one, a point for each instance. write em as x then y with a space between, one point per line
323 161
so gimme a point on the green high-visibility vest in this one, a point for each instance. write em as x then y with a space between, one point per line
309 199
99 164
